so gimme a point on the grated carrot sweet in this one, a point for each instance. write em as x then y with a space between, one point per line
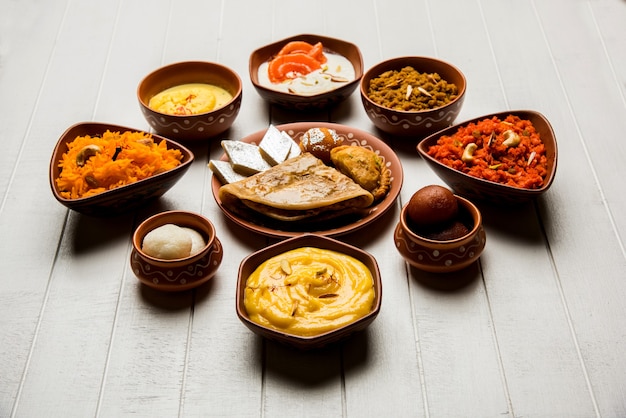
523 165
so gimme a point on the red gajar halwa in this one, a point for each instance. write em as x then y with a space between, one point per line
94 164
507 151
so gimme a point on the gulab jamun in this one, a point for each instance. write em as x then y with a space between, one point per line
432 206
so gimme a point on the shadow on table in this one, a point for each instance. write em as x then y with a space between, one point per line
174 301
448 282
90 233
522 222
312 368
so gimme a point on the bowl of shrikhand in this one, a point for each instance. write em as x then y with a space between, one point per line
175 251
308 291
190 100
306 71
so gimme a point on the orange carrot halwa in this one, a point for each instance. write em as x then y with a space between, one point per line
94 164
508 151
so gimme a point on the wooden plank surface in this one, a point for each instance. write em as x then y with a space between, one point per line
536 331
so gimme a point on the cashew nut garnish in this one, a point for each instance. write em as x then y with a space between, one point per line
511 139
468 152
85 153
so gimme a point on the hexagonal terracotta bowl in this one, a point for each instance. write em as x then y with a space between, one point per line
414 124
250 263
191 127
178 274
484 190
123 198
317 101
442 256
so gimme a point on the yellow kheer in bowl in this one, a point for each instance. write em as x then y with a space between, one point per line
308 291
190 100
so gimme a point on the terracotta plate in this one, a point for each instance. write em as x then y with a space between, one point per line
338 227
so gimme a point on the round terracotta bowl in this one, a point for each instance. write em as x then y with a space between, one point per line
442 256
178 274
300 102
414 123
250 263
120 199
192 127
479 189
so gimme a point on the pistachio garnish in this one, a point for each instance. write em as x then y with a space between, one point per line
328 295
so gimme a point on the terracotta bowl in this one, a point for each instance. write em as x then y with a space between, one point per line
183 273
124 198
192 127
414 123
442 256
484 190
299 102
249 264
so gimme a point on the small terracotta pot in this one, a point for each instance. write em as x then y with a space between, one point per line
178 274
441 256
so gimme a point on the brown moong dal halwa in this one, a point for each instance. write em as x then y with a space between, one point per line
410 90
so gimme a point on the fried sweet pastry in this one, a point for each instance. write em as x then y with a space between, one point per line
302 188
363 166
319 142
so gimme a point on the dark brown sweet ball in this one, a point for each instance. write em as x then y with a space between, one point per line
319 142
431 207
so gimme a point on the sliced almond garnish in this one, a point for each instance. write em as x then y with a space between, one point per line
285 266
424 91
409 90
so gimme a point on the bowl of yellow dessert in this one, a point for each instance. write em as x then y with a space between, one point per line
308 291
175 251
191 100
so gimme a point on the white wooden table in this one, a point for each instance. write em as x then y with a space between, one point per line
540 330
